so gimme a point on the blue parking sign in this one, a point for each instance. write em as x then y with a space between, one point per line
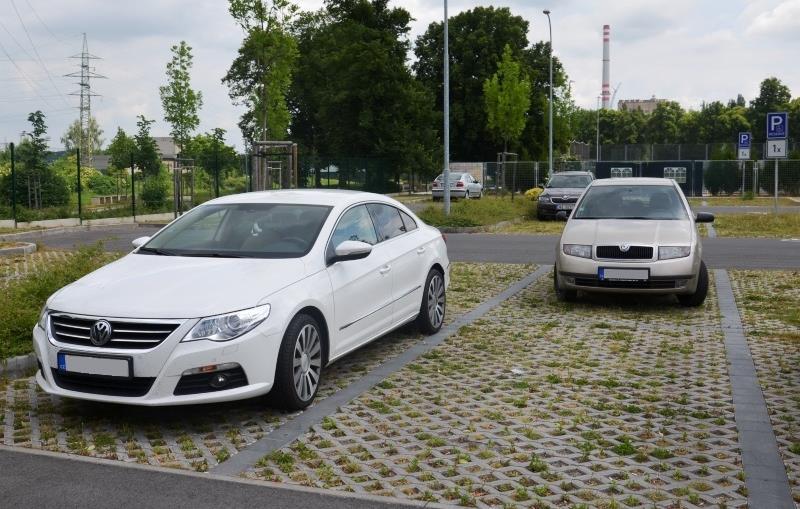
745 139
777 126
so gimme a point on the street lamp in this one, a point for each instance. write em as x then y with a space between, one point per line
446 173
597 145
550 140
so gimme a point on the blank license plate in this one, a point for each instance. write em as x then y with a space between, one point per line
87 365
566 206
623 274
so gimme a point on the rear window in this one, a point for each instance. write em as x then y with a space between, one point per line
453 177
388 222
631 202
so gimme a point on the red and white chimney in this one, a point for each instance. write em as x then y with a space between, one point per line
606 67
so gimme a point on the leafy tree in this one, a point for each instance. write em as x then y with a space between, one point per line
260 75
72 137
146 155
179 100
507 98
211 154
663 125
773 96
121 148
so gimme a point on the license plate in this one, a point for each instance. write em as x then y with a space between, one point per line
566 206
92 365
605 274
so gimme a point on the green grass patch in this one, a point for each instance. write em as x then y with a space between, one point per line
758 225
486 211
23 299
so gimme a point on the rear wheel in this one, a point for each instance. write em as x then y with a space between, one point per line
699 296
299 370
562 294
434 303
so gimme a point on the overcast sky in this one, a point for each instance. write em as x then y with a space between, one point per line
686 50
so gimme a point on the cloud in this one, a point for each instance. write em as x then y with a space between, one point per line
783 21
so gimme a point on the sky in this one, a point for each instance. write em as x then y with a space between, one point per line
689 51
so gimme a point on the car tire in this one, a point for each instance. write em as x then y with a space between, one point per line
699 296
467 196
294 387
563 295
434 303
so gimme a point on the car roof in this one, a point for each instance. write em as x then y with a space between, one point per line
571 172
329 197
634 181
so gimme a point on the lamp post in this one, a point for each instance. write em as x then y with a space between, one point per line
597 145
550 136
446 107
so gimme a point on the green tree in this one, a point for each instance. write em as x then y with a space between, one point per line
663 125
146 155
72 137
773 96
260 75
179 100
121 148
211 154
507 98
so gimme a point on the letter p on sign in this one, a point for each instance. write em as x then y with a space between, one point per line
776 126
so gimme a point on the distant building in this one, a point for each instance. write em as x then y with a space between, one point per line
101 162
644 105
168 150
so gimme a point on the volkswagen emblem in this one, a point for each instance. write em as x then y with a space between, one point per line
100 333
624 247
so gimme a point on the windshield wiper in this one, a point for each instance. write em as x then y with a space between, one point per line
214 255
157 251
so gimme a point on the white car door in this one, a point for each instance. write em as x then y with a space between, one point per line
362 289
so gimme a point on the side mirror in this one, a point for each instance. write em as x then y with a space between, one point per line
351 250
704 217
137 243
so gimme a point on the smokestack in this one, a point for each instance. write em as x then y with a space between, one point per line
606 67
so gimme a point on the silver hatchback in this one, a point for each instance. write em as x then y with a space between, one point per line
632 235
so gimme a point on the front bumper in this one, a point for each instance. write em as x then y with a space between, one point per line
256 352
552 209
676 276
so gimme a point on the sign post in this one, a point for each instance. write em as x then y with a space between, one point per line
777 132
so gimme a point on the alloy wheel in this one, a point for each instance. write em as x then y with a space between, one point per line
436 300
307 362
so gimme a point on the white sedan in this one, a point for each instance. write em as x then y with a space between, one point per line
241 296
462 185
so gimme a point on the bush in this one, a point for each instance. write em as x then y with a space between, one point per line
22 300
154 191
722 177
533 193
102 184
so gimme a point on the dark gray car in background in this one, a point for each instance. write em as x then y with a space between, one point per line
561 193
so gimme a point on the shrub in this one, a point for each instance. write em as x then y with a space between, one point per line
722 177
533 193
102 184
154 191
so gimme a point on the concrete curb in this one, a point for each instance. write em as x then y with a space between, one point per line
45 232
16 366
25 248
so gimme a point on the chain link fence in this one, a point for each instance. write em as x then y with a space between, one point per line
668 152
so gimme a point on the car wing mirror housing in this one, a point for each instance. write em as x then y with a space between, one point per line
704 217
351 250
139 242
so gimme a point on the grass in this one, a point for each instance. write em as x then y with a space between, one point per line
4 231
534 227
758 225
23 299
734 201
486 211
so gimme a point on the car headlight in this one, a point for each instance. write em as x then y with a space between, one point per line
228 326
581 250
669 252
544 198
42 323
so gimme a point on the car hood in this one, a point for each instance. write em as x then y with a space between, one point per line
610 232
561 191
145 286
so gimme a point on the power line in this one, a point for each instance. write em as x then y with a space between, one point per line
43 23
33 87
28 35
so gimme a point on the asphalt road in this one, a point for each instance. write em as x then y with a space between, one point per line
719 253
29 480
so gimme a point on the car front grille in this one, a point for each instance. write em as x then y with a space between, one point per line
106 385
652 284
561 199
633 253
75 330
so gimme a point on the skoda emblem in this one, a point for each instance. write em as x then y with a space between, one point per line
100 333
624 247
565 197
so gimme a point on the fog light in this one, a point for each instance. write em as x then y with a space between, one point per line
570 280
211 368
681 282
218 381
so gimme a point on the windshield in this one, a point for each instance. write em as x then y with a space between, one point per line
242 230
578 181
631 202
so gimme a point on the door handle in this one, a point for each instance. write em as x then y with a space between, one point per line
420 250
385 269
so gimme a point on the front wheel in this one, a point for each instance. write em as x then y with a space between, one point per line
299 370
699 296
434 303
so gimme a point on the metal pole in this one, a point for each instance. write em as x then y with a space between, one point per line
446 173
78 153
133 192
776 186
550 135
13 188
597 145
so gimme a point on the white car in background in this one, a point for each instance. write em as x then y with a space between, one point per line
241 296
462 185
632 235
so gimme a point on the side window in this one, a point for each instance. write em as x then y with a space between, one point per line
355 224
408 222
387 220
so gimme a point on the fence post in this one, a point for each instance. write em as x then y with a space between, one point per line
13 188
133 192
78 164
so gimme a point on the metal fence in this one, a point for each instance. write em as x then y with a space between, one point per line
666 152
